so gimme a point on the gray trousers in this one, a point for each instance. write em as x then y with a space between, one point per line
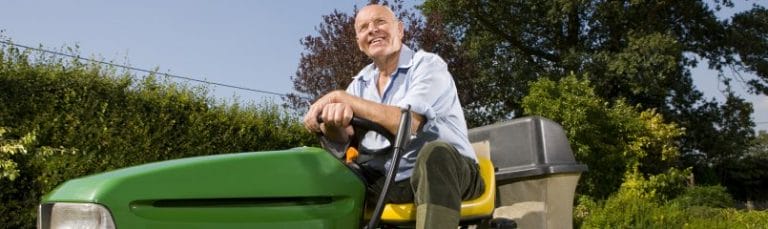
442 178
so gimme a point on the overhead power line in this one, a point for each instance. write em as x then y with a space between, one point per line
143 70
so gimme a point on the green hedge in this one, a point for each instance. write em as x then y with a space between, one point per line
708 196
86 118
697 207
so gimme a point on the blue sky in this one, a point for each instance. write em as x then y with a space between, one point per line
252 44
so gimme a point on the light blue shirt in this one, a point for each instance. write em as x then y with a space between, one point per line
421 80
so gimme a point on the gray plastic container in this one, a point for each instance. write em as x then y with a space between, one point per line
536 171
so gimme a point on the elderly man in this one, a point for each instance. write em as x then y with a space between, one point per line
439 167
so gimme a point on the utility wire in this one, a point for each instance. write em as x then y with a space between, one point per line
165 74
143 70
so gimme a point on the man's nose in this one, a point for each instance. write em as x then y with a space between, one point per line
373 29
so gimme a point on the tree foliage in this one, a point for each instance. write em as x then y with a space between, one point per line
612 139
8 148
632 49
637 51
747 176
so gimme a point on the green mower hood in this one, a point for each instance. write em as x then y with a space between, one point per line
298 188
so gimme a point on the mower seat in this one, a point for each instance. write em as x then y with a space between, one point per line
480 207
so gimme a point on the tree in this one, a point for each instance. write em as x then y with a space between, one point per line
614 139
636 47
748 36
761 144
747 175
640 52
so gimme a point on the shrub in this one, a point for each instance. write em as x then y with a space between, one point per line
638 203
704 217
633 208
659 187
88 119
627 211
707 196
8 148
585 205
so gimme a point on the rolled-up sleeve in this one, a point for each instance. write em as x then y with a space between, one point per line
430 82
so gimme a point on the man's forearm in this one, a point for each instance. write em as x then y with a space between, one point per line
385 115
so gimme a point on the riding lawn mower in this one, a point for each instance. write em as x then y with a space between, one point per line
527 166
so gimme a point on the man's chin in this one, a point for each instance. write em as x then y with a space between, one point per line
379 52
378 49
374 54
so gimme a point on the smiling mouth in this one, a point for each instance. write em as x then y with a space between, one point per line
376 41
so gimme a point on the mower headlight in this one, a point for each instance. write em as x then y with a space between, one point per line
74 215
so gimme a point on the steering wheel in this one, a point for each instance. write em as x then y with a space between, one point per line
369 125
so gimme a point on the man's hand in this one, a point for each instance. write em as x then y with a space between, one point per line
336 118
385 115
336 115
310 119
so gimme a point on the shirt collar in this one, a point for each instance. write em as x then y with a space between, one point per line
406 57
404 61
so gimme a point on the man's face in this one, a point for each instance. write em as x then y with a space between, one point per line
379 34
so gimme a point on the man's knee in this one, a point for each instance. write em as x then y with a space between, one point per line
432 152
435 179
435 162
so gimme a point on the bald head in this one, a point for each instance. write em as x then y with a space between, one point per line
379 33
379 8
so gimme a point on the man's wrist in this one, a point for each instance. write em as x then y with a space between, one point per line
339 96
334 97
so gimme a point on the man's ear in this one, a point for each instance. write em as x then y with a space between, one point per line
401 28
358 44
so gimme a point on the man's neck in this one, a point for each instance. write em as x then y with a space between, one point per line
387 65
